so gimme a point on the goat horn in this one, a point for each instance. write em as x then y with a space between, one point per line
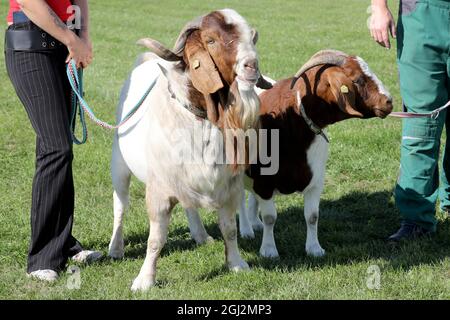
159 49
185 32
333 57
255 36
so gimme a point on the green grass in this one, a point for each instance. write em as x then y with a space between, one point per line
357 210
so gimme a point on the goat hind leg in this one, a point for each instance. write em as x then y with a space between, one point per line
121 182
245 227
196 227
253 206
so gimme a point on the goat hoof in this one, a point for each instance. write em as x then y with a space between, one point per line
247 233
239 266
205 239
116 252
315 251
142 284
257 225
269 251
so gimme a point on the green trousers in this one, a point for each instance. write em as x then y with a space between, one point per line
423 41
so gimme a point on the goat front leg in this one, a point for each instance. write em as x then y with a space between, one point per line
312 200
227 224
159 213
196 227
269 215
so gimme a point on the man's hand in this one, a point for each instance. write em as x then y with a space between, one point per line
382 23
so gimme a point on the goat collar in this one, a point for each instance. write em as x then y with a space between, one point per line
312 126
196 111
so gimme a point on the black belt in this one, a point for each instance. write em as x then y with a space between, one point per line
24 35
30 40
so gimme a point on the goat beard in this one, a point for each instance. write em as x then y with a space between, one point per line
240 115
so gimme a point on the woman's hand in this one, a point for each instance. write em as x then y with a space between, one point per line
87 40
381 24
43 16
80 50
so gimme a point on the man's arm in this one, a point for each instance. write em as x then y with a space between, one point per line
44 17
382 23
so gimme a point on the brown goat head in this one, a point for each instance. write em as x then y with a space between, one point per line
348 82
216 50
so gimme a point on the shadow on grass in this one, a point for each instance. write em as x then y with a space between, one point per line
355 228
352 229
179 239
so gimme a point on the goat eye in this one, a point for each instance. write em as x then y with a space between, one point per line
210 41
359 81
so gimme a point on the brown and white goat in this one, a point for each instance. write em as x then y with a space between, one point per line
333 86
204 86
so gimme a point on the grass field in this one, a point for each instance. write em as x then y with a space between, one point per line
357 209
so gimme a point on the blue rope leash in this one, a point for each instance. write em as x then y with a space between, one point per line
80 106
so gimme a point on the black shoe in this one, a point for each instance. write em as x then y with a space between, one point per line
408 231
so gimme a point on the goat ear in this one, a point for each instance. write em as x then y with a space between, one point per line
345 97
204 74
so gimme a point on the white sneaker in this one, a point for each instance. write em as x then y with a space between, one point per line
44 275
87 256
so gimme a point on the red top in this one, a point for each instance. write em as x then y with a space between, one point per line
59 6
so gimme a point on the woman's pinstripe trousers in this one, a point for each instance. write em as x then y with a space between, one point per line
41 84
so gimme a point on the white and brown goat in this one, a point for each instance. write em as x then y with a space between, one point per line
332 86
206 83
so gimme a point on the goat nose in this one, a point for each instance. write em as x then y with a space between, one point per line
251 64
390 102
389 105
